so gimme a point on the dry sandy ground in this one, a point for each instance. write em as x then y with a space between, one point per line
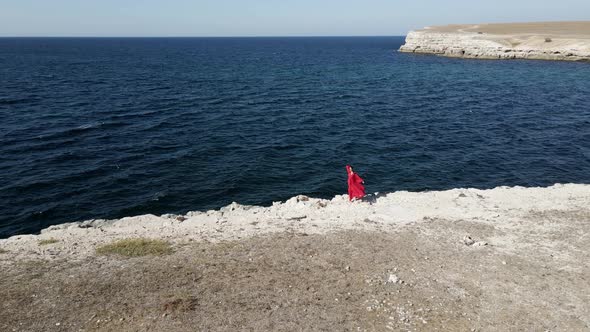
395 262
564 36
579 29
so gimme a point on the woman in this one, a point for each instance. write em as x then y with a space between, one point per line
356 190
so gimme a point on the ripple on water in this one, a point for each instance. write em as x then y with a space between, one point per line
123 127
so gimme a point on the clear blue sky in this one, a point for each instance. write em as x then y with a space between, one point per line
266 17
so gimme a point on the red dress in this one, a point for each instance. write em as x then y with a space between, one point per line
355 184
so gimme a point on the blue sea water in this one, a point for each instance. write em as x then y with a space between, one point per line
105 128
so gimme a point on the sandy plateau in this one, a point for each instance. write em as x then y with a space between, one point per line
505 259
541 41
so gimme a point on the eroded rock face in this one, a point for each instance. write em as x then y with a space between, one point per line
473 44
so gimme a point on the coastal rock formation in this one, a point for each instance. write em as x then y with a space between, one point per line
499 206
540 41
502 259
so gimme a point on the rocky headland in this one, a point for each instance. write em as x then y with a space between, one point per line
504 259
568 41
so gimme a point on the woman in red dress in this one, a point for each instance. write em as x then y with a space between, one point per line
356 189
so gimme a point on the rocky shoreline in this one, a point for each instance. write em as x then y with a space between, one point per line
503 259
566 41
390 211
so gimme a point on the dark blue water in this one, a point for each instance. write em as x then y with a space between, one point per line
105 128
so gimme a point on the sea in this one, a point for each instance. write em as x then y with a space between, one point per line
101 128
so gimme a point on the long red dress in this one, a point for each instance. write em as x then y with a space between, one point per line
355 184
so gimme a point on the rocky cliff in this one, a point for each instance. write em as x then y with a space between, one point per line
545 41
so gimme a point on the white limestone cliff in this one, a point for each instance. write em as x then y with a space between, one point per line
544 41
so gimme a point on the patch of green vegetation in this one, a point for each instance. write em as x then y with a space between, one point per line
136 247
48 241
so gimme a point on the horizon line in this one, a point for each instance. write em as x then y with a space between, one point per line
173 36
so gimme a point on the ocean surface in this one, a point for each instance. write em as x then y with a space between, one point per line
106 128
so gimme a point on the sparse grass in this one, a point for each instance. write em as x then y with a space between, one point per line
47 242
136 247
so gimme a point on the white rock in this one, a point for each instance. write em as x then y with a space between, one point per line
392 279
464 41
467 240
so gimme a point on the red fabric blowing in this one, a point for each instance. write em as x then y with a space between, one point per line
355 184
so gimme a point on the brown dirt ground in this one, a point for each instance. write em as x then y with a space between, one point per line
526 279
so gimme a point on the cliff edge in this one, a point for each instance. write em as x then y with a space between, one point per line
502 259
540 41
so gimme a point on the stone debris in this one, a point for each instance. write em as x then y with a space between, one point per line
468 241
392 279
232 207
297 218
302 198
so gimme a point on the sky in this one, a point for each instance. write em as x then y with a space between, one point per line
267 17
